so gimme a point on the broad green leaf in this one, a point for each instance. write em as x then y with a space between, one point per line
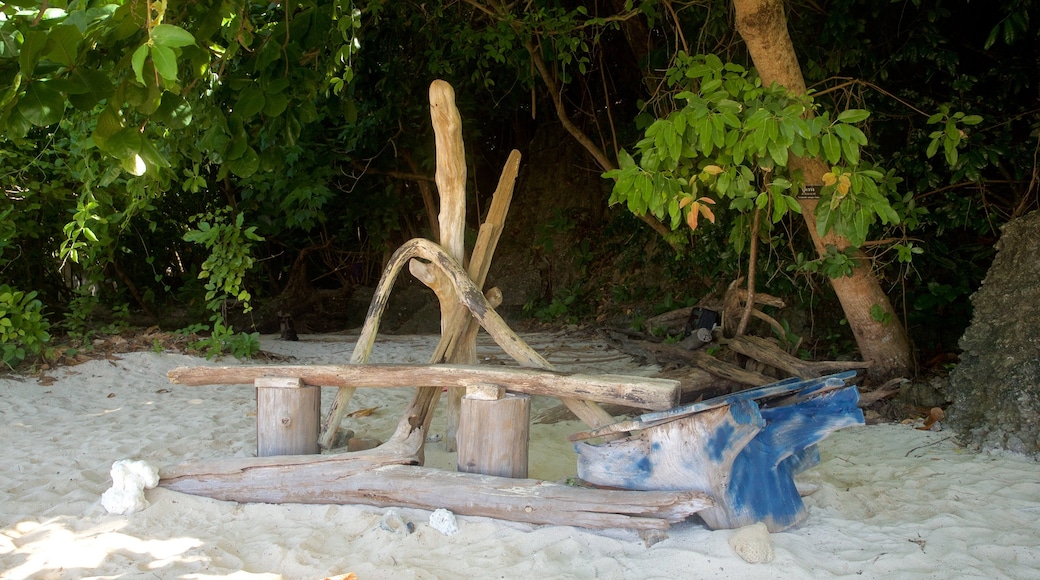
933 147
851 152
42 105
246 165
134 165
174 111
831 148
778 153
853 116
972 120
137 62
63 45
951 153
275 105
169 35
125 143
31 51
165 62
108 124
98 84
151 155
250 102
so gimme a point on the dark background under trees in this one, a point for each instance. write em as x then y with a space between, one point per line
328 153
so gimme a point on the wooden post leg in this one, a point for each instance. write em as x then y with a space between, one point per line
493 435
287 417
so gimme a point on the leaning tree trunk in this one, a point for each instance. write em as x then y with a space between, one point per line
763 26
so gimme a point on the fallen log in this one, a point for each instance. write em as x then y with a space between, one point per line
331 480
633 391
766 352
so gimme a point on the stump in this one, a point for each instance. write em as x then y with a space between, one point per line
494 435
287 417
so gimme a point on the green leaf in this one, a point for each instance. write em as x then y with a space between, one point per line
851 152
250 102
125 143
246 165
108 124
63 45
165 62
137 62
933 147
275 105
168 35
98 84
174 111
971 120
831 148
853 116
31 51
42 105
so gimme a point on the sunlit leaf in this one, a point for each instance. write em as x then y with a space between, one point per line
137 62
165 62
171 36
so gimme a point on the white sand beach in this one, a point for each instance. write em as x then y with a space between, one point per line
894 502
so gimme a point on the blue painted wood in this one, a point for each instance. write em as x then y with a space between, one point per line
695 453
762 487
743 449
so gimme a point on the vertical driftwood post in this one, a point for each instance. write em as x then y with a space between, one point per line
479 265
494 433
287 417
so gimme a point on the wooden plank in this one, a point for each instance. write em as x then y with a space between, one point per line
346 481
633 391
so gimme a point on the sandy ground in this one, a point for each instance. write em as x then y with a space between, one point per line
894 502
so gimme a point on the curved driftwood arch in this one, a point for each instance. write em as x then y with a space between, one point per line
468 295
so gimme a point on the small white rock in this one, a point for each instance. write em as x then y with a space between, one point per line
444 522
129 480
753 544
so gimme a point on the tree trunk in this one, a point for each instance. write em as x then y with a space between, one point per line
763 26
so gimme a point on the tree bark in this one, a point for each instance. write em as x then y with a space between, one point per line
763 26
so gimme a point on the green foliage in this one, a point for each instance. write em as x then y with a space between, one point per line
951 135
223 339
567 306
229 260
733 138
833 264
23 328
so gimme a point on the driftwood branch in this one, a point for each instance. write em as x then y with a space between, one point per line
632 391
329 480
766 352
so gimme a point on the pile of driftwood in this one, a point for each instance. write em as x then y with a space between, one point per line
737 360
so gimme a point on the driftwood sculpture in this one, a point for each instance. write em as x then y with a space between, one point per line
730 459
389 475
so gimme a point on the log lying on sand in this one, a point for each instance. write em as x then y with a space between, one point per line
633 391
332 479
